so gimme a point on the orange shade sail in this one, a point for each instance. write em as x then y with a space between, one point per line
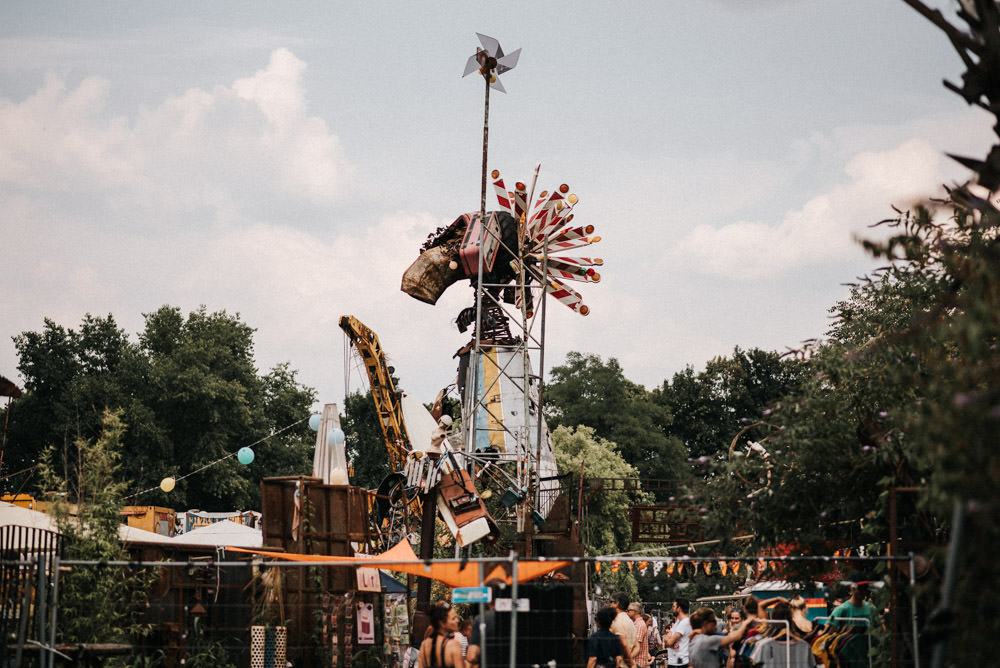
402 559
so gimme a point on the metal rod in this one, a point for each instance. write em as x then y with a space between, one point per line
512 659
41 597
55 608
913 611
482 620
948 587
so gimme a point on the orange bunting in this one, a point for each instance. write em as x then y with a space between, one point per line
723 567
670 568
597 567
708 567
615 565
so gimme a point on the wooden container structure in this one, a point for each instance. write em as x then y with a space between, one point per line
305 516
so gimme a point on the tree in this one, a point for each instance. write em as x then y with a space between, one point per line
366 448
189 391
96 604
709 408
585 390
606 527
71 376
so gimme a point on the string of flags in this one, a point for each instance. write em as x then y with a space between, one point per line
687 566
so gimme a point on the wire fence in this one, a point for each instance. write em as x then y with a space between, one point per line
250 612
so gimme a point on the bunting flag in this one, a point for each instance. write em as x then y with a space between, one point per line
708 567
629 564
597 567
657 567
643 567
670 568
723 567
615 565
734 566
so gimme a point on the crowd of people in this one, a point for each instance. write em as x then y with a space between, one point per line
772 634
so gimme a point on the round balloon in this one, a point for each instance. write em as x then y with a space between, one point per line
335 436
167 484
314 421
245 455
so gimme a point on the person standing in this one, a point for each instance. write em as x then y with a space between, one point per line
603 646
440 649
642 657
464 631
485 635
705 644
679 637
652 633
624 628
857 606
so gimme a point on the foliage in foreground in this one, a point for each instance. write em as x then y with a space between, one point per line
96 603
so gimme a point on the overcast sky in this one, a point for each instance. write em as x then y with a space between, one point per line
285 161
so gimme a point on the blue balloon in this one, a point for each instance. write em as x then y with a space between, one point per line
245 455
335 436
314 421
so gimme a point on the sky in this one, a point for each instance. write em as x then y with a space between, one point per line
285 161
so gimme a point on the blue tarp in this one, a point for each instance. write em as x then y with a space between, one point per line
391 585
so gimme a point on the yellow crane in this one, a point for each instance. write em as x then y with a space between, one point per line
387 403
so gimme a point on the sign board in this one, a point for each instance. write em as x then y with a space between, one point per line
369 579
505 605
471 595
666 524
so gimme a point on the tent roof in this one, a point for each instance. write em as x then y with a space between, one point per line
11 514
135 535
402 558
222 534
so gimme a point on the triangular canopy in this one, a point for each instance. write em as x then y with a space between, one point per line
401 558
224 532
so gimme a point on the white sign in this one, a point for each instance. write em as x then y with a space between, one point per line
504 605
369 579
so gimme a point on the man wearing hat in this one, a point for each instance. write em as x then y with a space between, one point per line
856 606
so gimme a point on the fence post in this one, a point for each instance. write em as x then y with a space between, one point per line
22 630
55 609
41 609
512 659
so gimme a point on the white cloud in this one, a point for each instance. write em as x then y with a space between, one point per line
823 230
220 150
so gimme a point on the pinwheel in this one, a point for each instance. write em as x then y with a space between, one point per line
491 62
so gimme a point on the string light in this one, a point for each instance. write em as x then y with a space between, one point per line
177 479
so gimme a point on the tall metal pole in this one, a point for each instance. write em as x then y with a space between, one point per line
472 382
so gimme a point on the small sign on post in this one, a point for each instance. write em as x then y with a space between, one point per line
471 595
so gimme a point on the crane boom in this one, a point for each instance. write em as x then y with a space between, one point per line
387 403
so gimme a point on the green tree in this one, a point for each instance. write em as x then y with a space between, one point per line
96 604
711 407
586 390
70 377
607 528
366 449
188 389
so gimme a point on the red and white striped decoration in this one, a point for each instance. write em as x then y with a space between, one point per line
546 233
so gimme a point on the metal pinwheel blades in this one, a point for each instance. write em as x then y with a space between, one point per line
491 62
